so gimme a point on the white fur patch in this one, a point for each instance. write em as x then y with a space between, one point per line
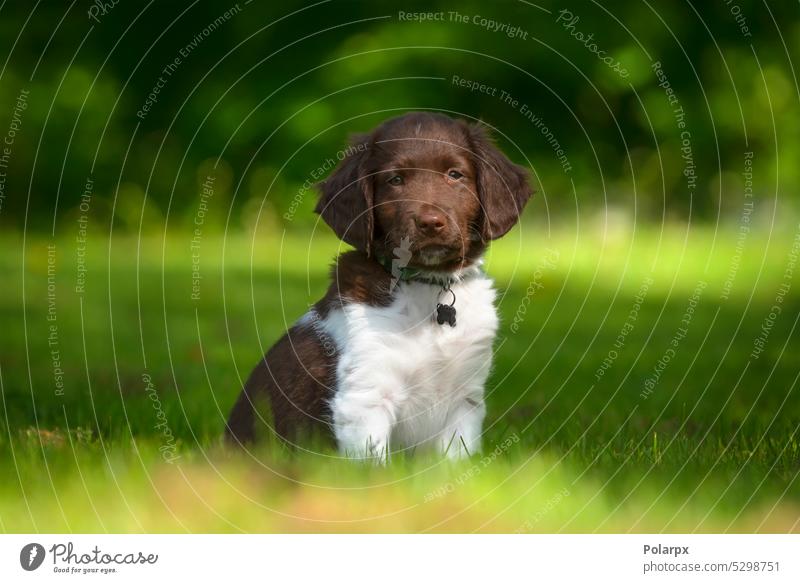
404 381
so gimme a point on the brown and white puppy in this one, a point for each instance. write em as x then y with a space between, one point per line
383 362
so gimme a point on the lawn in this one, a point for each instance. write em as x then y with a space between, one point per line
644 381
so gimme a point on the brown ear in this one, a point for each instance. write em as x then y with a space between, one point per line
346 197
502 185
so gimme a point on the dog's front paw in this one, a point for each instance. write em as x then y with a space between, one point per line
370 450
362 427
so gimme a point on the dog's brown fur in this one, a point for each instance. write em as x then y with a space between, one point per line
430 211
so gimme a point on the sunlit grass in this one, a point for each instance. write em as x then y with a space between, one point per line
714 446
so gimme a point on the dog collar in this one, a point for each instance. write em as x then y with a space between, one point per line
445 313
413 274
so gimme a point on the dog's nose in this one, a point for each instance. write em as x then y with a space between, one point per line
429 223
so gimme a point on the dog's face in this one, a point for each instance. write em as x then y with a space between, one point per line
424 188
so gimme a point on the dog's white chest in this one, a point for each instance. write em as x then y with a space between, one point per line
398 359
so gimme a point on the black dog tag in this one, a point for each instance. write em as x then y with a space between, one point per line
445 313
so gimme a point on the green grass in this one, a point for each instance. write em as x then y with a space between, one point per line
714 448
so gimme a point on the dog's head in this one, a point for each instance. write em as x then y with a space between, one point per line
434 187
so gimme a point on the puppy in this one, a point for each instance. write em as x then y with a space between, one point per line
396 354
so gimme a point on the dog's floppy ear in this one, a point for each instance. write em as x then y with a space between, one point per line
502 185
347 197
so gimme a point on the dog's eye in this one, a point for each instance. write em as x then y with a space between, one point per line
395 180
455 175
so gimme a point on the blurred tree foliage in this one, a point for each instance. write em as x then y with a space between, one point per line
262 99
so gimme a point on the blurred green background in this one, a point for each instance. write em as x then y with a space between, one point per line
269 93
136 299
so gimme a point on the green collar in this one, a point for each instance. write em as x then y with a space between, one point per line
430 277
